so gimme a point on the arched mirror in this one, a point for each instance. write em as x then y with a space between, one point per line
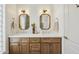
45 21
24 20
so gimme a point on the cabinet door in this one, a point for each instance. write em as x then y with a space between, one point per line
24 45
45 48
50 45
14 45
45 45
14 48
55 48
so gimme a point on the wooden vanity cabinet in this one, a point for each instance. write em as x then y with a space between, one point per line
35 45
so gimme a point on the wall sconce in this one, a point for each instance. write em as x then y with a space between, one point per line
26 11
44 10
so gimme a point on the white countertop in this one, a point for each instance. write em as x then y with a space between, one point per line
35 35
1 52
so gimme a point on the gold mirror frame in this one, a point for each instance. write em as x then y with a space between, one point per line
41 23
27 21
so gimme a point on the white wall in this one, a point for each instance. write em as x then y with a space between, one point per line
10 13
55 11
34 13
71 45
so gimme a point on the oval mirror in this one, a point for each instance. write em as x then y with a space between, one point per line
24 21
45 21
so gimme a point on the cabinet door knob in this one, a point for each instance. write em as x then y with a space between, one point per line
66 37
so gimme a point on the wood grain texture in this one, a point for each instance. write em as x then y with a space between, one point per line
36 46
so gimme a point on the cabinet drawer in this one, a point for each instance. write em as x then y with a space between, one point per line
15 40
56 40
50 40
46 40
24 39
35 47
14 43
34 39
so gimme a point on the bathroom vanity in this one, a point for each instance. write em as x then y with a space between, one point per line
34 30
35 44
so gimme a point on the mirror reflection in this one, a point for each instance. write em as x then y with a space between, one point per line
45 20
24 21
